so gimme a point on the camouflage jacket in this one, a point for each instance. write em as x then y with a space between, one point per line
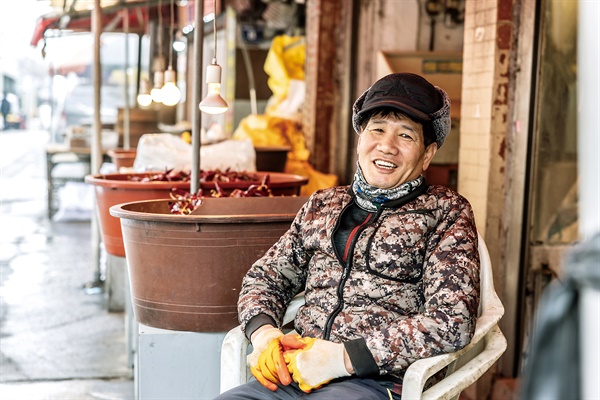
408 289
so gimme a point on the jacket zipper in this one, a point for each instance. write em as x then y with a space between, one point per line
348 249
350 243
346 273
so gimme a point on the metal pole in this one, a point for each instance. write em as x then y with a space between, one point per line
197 94
126 125
138 76
96 148
96 144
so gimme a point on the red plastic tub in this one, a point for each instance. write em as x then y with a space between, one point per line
112 189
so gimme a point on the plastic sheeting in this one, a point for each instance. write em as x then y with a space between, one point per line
555 369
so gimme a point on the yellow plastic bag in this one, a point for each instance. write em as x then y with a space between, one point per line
280 125
267 130
285 61
316 180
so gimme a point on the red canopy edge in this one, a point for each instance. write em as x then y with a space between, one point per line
139 15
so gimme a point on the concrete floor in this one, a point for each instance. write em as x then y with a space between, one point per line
57 340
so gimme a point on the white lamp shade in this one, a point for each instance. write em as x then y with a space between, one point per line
213 103
170 93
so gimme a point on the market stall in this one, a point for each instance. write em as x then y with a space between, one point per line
245 228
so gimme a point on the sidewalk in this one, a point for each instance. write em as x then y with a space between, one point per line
57 341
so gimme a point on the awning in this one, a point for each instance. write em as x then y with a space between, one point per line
139 13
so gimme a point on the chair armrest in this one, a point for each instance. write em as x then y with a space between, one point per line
233 359
451 386
234 349
418 372
292 308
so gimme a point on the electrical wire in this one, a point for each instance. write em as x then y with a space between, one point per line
249 70
160 29
171 35
214 31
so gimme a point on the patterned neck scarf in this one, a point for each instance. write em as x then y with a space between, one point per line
370 198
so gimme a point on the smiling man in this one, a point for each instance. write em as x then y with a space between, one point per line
389 265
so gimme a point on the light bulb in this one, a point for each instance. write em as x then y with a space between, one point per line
144 98
213 103
156 95
156 91
170 93
179 45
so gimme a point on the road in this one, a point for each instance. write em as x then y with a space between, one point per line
57 341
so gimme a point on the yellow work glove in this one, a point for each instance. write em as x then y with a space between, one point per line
313 362
266 360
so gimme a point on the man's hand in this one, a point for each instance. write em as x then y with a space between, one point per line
266 360
313 362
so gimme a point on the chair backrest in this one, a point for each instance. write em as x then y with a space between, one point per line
488 298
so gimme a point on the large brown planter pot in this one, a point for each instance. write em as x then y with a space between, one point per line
271 158
185 271
112 189
122 158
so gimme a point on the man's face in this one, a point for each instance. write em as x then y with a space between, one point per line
391 151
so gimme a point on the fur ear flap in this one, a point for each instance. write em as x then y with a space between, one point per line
441 120
356 120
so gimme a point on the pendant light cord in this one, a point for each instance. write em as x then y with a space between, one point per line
215 31
171 35
160 29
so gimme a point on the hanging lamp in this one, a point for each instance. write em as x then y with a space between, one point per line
159 63
213 103
144 98
170 93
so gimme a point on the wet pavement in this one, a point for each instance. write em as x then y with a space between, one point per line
57 340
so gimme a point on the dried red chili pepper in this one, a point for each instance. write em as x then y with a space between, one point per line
185 203
205 176
218 192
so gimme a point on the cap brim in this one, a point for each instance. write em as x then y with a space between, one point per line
411 111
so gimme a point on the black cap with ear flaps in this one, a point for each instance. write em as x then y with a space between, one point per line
411 94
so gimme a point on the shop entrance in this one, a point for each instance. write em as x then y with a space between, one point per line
551 222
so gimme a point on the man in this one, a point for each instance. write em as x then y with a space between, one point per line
389 265
5 109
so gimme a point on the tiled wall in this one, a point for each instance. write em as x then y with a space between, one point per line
477 98
492 157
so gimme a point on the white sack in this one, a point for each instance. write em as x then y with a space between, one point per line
162 151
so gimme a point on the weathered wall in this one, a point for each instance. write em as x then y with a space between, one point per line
496 98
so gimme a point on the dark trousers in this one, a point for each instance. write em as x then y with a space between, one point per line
346 389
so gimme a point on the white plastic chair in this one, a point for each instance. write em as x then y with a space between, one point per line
464 366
